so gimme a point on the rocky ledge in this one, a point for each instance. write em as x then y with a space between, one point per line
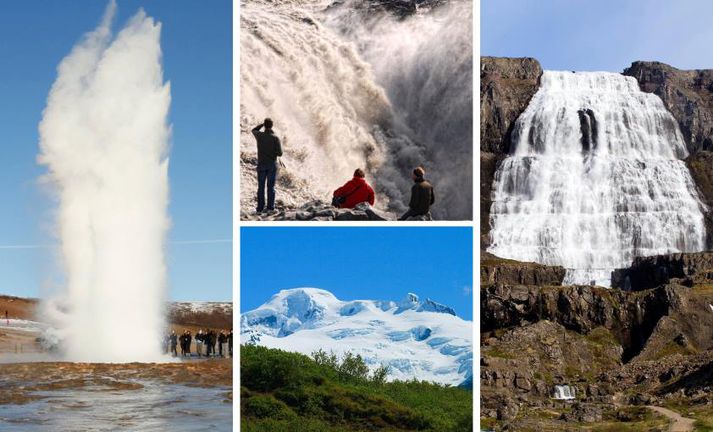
496 270
321 211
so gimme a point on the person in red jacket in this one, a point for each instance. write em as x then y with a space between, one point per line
355 191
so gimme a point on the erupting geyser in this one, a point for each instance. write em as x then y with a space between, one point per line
104 139
594 179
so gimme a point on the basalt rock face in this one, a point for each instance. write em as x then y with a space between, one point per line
506 87
688 95
649 272
632 318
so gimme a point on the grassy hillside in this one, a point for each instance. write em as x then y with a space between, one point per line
283 391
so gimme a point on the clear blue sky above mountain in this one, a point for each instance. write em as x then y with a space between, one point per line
197 49
603 35
359 263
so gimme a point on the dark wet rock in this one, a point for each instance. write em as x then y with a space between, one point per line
650 272
400 8
496 270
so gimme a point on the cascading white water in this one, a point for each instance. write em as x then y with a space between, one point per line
348 88
594 179
564 392
104 140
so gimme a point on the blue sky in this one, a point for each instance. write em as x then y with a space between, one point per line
359 263
197 49
602 35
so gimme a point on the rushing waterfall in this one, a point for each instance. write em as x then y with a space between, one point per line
348 87
564 392
104 140
594 179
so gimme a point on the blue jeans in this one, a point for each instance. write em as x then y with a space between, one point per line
266 173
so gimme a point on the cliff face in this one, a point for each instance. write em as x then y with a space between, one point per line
506 87
688 95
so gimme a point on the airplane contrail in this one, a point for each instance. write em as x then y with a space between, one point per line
176 242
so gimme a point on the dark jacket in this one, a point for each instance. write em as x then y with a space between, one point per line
422 197
268 146
358 191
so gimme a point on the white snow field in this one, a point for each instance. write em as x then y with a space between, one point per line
415 339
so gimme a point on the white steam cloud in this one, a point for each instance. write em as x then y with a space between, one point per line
104 140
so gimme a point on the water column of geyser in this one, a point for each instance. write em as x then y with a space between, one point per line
594 179
104 140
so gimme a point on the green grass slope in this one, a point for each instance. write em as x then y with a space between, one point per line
283 391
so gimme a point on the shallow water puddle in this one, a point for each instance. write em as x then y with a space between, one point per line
154 407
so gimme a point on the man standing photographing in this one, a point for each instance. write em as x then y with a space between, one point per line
268 150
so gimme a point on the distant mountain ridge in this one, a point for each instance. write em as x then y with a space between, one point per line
415 339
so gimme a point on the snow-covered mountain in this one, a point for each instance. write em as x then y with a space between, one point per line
423 340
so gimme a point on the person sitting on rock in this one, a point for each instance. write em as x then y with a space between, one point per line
422 196
354 192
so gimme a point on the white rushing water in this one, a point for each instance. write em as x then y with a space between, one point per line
594 179
564 392
104 140
350 88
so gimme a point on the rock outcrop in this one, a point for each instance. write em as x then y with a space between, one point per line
649 272
322 211
496 270
506 87
688 95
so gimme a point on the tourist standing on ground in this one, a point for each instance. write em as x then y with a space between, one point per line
230 342
422 196
174 341
354 192
268 150
221 341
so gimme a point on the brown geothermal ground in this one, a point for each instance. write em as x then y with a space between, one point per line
21 380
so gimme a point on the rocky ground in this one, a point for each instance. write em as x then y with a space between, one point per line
636 359
322 211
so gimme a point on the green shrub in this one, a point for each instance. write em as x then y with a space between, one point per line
266 407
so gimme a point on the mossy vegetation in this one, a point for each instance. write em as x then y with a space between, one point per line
283 391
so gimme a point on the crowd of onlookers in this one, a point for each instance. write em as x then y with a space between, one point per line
206 342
